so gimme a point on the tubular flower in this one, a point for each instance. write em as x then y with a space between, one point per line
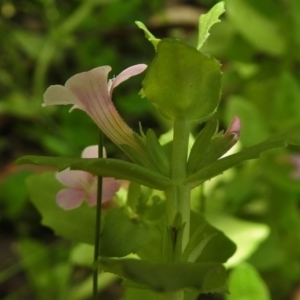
91 92
83 185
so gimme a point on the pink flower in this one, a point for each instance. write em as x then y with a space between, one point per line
83 185
91 92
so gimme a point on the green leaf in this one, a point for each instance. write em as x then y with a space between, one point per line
200 145
206 21
245 283
223 164
217 147
219 248
157 153
102 167
246 235
168 277
36 258
151 38
183 83
42 191
122 235
138 157
138 294
196 244
258 22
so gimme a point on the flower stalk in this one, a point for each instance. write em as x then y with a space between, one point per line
98 221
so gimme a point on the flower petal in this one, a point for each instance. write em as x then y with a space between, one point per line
59 95
109 189
90 152
70 198
127 73
73 178
91 90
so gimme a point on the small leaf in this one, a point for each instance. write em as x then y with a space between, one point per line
290 138
217 147
246 283
206 21
122 235
151 38
157 153
139 158
168 277
105 167
201 144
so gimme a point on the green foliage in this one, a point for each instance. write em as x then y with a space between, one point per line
201 145
45 42
219 166
265 33
168 277
212 243
151 38
121 235
64 223
103 167
255 288
206 21
177 81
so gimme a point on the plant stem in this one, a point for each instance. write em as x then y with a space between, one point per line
98 221
178 195
179 172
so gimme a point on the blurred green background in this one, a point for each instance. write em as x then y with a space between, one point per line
45 42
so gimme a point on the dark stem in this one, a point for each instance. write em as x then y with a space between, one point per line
98 221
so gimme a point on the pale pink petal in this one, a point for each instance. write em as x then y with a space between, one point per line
70 198
90 152
127 73
59 95
234 128
91 90
109 189
73 178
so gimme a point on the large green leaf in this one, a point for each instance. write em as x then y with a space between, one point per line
245 283
77 224
213 244
102 167
221 165
246 235
168 277
122 235
183 83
